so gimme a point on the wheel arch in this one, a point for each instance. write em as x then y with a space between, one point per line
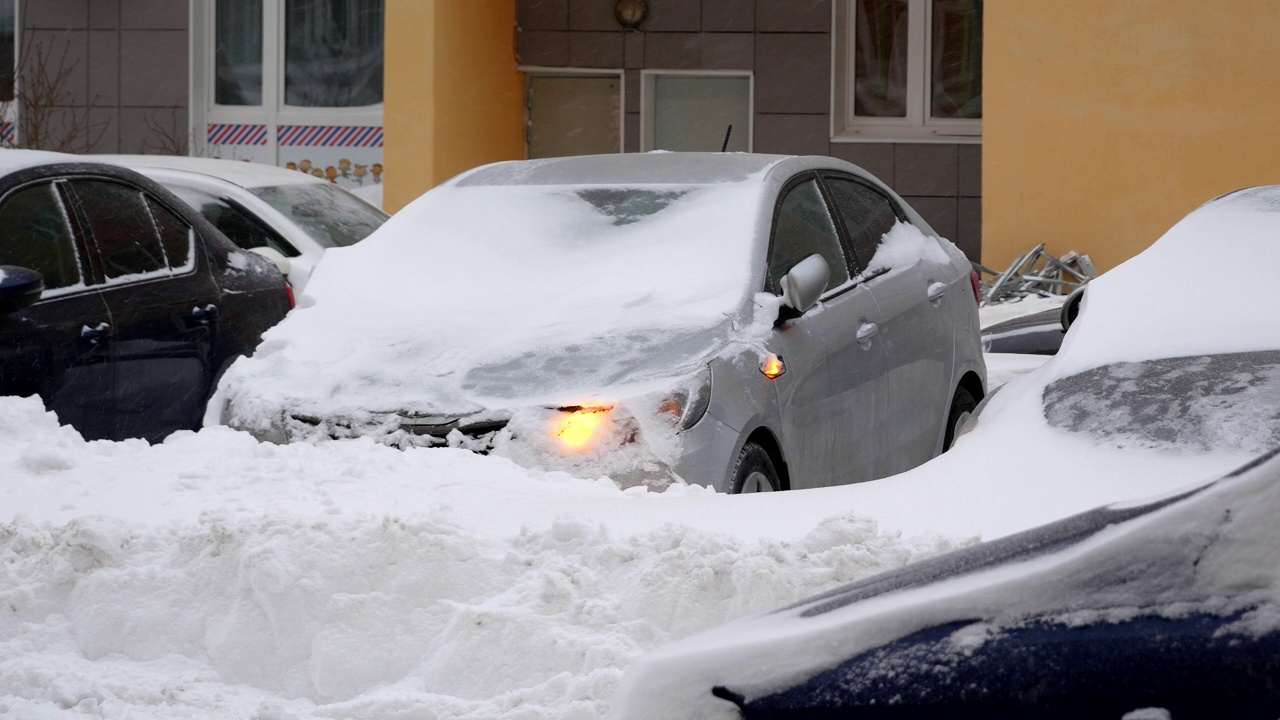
765 438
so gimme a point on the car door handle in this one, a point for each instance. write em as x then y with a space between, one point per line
95 333
936 291
866 331
205 315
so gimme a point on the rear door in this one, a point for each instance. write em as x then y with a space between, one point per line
830 397
164 305
915 328
57 348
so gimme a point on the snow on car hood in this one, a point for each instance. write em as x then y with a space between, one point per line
478 296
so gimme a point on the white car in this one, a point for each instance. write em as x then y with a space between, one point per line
286 215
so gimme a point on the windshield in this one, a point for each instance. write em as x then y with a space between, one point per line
330 215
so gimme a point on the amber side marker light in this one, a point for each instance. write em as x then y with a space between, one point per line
772 366
576 428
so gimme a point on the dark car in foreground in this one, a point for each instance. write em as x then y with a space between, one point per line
120 306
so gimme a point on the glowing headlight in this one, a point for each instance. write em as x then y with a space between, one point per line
577 428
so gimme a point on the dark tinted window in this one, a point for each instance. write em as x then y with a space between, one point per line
175 235
35 234
122 228
804 227
867 215
241 228
332 216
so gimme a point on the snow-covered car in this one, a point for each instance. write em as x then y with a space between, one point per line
745 322
289 216
119 304
1164 607
1171 607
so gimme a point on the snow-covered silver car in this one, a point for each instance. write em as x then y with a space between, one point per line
745 322
286 215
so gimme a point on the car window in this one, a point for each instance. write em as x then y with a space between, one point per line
241 227
867 216
176 236
35 234
804 227
329 214
122 228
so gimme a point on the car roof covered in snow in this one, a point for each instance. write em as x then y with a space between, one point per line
625 169
236 172
14 160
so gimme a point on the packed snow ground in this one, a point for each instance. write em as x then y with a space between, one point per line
213 576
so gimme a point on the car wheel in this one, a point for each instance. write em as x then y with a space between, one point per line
962 406
754 471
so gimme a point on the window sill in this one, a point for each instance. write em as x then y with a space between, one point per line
905 135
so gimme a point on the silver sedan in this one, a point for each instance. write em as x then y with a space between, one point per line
744 322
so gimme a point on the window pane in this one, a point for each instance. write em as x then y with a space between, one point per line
574 116
333 53
867 216
239 52
957 59
241 228
692 113
330 215
175 236
34 234
121 227
7 57
804 227
880 58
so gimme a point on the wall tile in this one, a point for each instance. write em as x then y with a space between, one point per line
728 15
104 14
969 228
633 49
939 212
673 51
153 68
591 15
60 52
793 15
793 73
60 15
541 47
104 134
104 67
970 181
791 134
631 91
543 14
875 158
138 128
595 49
631 132
678 16
153 14
925 169
728 51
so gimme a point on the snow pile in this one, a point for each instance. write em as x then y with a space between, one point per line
903 247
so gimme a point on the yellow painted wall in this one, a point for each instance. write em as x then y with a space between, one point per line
453 97
1105 121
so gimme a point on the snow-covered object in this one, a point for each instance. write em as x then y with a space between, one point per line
1210 551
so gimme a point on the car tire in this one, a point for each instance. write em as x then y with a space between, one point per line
754 471
962 406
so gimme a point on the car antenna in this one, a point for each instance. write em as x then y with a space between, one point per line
728 131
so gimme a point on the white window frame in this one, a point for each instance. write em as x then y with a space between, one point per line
544 71
648 78
273 112
917 125
10 110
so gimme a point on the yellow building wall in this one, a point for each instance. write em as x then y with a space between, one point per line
454 100
1106 121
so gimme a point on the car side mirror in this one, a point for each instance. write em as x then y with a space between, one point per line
19 288
1071 308
804 283
275 256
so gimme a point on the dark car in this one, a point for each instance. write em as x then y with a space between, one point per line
1165 609
1035 334
120 306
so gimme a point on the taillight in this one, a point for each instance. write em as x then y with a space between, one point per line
976 283
288 290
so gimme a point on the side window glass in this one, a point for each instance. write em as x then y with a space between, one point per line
804 227
867 215
122 228
35 234
176 236
242 229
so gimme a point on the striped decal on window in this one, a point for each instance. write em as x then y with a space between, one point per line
236 134
330 136
8 133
